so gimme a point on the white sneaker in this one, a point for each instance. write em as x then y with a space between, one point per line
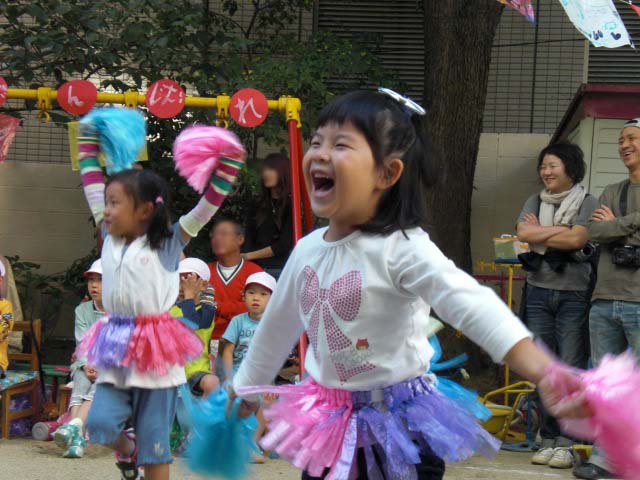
542 456
562 458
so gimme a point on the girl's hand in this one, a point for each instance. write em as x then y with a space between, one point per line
246 408
562 393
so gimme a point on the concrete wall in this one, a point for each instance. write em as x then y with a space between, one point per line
505 176
44 217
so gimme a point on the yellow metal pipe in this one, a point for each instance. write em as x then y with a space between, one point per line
23 93
201 102
287 105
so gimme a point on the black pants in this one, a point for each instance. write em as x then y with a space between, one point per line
431 467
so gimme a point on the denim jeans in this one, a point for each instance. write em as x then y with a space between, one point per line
560 319
614 327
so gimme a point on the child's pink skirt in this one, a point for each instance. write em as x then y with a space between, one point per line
149 343
316 428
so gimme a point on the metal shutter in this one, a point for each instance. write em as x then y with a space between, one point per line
618 65
533 76
521 97
399 24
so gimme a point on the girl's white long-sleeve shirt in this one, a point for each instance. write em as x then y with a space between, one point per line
364 302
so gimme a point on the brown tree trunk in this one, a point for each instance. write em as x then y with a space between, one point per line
458 39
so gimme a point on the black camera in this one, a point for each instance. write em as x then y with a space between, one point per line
585 253
626 256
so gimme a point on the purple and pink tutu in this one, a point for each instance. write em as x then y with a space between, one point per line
149 343
317 428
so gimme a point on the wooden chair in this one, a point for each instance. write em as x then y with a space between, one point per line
20 382
64 397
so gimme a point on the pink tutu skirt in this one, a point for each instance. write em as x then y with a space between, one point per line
316 428
148 343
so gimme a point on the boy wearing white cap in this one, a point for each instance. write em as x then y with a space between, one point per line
257 292
6 325
196 303
237 337
70 436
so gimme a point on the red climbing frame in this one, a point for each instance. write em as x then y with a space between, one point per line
299 204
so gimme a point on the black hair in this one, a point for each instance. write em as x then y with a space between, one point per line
571 156
147 186
239 227
391 129
279 163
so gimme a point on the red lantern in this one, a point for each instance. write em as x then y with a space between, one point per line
165 98
249 107
4 89
77 96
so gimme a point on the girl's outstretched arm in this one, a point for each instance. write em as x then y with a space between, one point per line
90 170
219 187
528 360
281 325
419 267
563 396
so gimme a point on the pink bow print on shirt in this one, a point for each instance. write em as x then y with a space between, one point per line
344 298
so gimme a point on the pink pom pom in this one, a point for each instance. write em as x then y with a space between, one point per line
612 393
197 150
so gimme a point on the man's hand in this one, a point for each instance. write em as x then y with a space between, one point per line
602 214
531 219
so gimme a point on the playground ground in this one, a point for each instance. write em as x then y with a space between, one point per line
27 459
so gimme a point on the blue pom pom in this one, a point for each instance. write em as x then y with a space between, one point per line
220 445
122 133
466 399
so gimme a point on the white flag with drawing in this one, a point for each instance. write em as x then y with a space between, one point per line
599 21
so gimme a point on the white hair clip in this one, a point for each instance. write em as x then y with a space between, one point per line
404 101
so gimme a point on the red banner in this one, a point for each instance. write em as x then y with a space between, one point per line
523 6
3 90
165 98
8 127
77 96
249 107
